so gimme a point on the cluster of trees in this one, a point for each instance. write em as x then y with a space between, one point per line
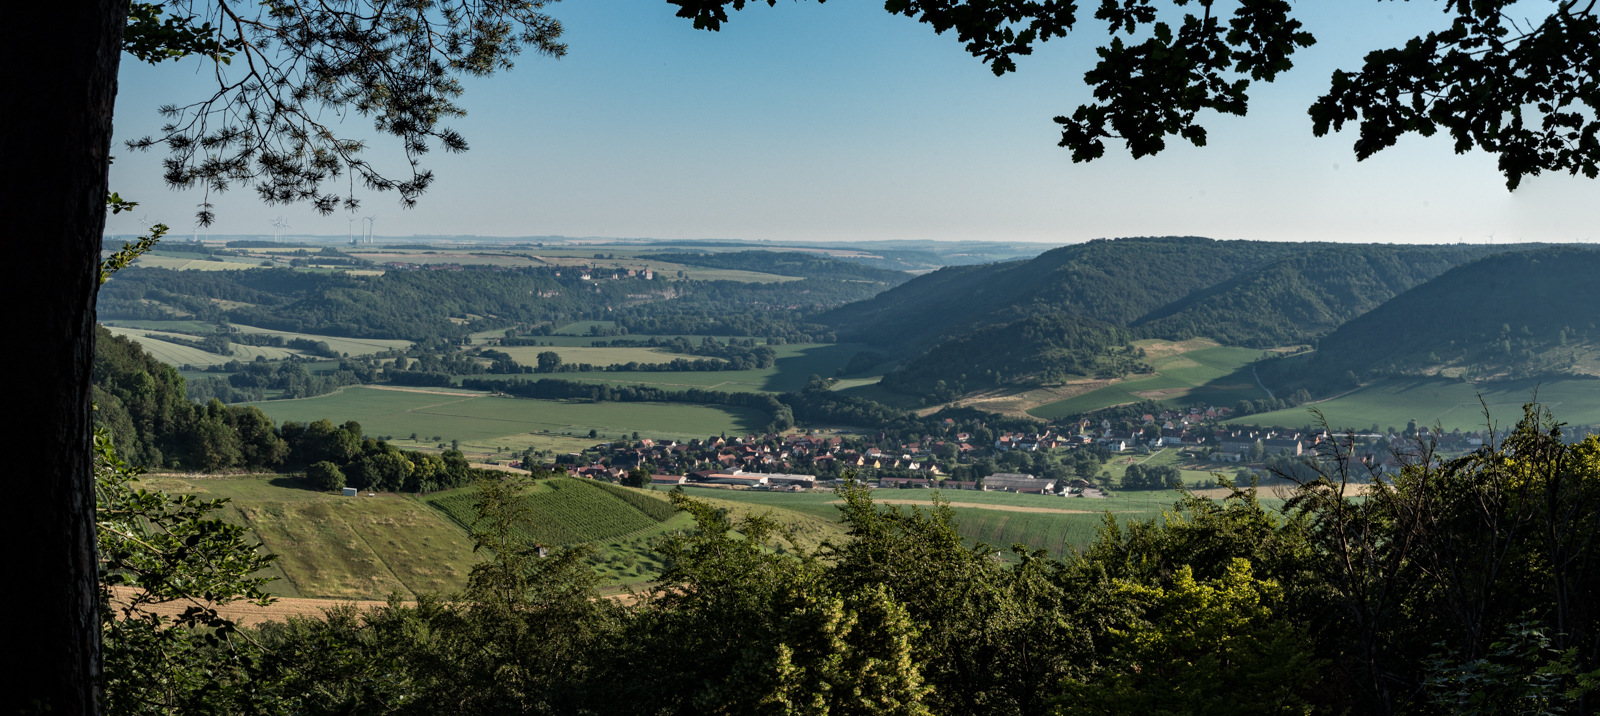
1334 604
1151 477
1267 405
218 343
336 457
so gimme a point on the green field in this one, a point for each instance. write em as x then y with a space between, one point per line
529 355
475 416
1055 531
566 511
1391 403
353 346
1218 375
331 546
177 355
794 366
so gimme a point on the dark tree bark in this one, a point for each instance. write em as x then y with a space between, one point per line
61 75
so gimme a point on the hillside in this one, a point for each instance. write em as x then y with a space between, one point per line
1051 346
1112 281
1511 315
1301 297
785 263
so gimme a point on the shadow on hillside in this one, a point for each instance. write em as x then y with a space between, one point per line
293 482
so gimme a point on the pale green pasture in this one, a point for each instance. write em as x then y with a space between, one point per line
795 365
353 346
177 355
479 416
1391 403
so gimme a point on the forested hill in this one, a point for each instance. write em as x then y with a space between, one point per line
1299 297
785 263
1112 281
449 304
1512 315
1051 346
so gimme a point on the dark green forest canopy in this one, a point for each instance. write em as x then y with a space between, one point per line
418 305
1245 293
1514 315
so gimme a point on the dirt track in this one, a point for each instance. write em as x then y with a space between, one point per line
250 614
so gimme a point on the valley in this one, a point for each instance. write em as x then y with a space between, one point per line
446 352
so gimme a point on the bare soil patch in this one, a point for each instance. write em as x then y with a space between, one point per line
1160 349
1015 402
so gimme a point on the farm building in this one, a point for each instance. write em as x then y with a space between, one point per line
667 479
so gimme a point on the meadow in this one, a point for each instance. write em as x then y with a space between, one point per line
460 415
1453 404
336 547
178 355
564 512
529 355
795 365
1214 375
1037 521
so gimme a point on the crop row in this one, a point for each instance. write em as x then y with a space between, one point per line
563 511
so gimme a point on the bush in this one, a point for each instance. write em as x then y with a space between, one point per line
325 476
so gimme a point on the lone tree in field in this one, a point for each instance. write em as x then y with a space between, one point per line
1525 92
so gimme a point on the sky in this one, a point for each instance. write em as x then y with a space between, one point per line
839 122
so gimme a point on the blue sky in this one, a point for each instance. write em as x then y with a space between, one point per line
839 122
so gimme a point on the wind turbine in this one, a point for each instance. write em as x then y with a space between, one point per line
350 231
372 226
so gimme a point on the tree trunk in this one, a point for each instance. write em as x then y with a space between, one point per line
61 75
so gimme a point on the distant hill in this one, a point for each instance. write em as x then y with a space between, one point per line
1303 296
1115 282
1050 346
785 263
1246 293
1506 316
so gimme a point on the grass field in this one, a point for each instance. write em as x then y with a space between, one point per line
189 264
562 512
1216 375
1059 523
353 346
529 355
477 416
794 366
341 547
1391 403
176 355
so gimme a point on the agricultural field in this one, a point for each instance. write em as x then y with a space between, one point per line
1391 403
228 263
337 547
566 512
177 355
353 346
529 355
470 416
1215 375
795 365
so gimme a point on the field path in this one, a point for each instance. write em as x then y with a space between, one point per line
419 390
980 506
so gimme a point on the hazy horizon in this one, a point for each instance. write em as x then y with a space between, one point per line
836 123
